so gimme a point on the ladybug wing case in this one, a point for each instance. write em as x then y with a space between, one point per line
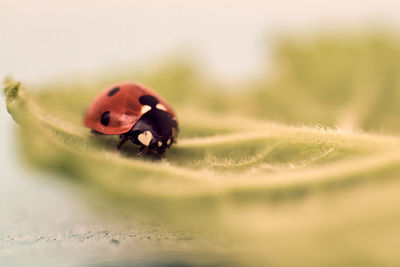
118 108
115 110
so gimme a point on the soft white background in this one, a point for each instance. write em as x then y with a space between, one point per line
40 38
44 38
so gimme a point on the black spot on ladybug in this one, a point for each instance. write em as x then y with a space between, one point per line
113 91
148 100
105 118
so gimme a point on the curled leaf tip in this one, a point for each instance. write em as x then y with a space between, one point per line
11 91
8 80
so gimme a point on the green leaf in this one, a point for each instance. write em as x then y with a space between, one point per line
317 194
11 92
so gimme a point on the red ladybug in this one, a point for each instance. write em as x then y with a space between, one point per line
136 113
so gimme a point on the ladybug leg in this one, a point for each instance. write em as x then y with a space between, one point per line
95 132
123 140
141 150
120 144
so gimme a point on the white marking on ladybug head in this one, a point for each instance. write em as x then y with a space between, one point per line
144 109
159 143
145 138
161 107
169 141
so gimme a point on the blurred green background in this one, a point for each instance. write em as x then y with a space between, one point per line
287 154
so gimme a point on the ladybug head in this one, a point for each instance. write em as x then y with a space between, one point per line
158 145
155 143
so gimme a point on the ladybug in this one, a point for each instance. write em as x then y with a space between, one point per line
136 113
